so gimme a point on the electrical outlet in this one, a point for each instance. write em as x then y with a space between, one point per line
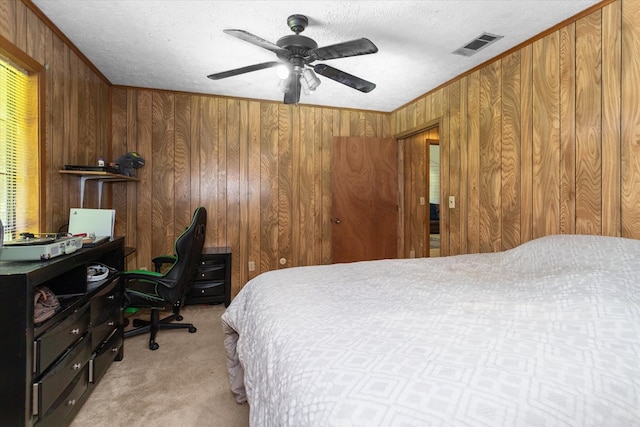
412 254
144 269
252 266
452 202
422 201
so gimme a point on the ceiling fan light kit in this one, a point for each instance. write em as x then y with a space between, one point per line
283 72
284 84
296 54
309 80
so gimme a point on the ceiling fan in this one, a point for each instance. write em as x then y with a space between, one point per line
297 53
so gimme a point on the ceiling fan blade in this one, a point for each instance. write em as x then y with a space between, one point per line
344 78
342 50
292 95
242 70
253 39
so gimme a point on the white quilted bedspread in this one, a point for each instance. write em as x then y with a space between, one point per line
546 334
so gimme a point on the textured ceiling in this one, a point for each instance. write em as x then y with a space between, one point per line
174 45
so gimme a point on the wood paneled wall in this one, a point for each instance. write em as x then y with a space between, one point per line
262 170
77 100
543 140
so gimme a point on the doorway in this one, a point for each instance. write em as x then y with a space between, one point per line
420 183
434 197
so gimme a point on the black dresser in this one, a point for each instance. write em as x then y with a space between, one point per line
213 281
49 369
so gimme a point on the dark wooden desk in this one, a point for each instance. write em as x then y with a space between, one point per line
49 369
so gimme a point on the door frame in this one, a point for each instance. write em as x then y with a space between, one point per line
444 184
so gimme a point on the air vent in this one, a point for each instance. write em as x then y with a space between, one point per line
479 43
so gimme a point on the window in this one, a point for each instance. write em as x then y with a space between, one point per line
19 160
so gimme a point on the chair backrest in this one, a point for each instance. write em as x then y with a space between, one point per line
188 250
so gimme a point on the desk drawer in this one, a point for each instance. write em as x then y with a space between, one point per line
67 403
47 390
50 345
108 297
206 262
102 359
206 289
104 326
211 272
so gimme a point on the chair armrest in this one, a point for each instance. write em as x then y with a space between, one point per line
149 276
159 261
141 274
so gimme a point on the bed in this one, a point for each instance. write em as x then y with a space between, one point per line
545 334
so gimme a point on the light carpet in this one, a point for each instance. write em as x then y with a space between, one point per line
183 383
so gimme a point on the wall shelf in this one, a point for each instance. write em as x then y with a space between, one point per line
99 176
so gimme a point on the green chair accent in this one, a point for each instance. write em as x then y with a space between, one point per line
166 291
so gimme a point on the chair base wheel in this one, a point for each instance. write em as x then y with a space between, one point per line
154 346
192 329
179 318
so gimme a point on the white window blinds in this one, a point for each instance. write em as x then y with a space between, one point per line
18 150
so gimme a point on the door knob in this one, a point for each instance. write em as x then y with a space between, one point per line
337 221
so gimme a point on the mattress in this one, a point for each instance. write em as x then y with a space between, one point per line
545 334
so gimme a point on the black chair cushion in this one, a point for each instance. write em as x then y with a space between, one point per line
145 293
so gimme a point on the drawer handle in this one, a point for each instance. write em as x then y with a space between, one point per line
75 331
71 402
111 297
77 366
111 323
114 350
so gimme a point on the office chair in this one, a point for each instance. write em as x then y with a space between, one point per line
166 291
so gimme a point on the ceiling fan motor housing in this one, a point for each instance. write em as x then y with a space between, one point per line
296 44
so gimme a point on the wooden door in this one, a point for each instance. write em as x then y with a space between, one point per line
364 180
